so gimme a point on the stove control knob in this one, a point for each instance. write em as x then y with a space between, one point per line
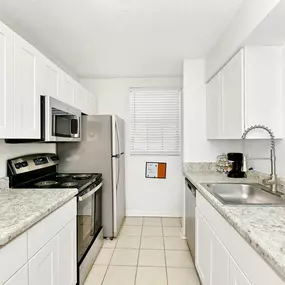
24 163
18 165
54 158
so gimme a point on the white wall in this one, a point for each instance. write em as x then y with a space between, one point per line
144 197
196 147
250 15
8 151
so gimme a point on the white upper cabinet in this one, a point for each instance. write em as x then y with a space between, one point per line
85 101
80 99
68 89
263 87
6 82
91 104
25 75
49 78
26 93
213 107
232 98
247 92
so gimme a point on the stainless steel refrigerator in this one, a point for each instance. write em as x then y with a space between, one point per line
101 150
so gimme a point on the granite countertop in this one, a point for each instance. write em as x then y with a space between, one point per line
20 209
263 227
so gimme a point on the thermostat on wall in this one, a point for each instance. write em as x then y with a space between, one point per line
155 170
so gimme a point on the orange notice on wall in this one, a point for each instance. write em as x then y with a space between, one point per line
155 170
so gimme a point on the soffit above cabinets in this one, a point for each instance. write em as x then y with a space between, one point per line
121 38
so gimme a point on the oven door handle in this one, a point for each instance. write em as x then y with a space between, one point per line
87 195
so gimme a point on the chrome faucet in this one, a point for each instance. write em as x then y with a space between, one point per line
272 181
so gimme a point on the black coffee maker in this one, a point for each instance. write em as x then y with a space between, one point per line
236 159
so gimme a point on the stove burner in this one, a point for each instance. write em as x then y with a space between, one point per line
63 175
69 184
47 183
81 176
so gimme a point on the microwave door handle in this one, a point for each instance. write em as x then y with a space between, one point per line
78 126
87 195
77 132
53 124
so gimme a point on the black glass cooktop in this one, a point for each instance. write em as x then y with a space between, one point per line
65 180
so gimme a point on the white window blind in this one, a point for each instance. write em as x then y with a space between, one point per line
155 121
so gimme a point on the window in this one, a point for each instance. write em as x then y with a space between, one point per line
155 121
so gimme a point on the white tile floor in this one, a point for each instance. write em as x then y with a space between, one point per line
148 251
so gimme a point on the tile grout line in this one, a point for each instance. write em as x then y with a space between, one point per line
102 282
166 271
135 281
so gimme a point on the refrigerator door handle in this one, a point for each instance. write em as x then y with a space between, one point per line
118 136
118 174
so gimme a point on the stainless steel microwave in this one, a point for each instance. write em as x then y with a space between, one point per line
59 123
62 122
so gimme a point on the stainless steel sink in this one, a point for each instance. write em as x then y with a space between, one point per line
243 194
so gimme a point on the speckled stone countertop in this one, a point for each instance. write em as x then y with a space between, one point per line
22 208
262 227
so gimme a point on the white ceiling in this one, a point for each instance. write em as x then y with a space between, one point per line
121 38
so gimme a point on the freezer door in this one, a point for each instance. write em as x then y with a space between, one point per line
119 192
118 135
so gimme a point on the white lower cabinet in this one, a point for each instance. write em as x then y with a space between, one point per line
67 255
212 258
223 257
52 261
219 262
20 278
43 267
203 246
236 275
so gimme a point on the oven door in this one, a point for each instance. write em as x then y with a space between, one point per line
89 219
62 122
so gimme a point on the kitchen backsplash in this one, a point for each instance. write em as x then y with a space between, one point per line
13 150
200 166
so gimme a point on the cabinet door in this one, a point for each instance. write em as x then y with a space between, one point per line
233 98
68 254
80 99
6 82
220 262
19 278
49 78
263 89
212 258
213 107
44 266
68 89
203 248
91 104
236 275
27 97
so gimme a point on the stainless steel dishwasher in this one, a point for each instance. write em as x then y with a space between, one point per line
190 215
